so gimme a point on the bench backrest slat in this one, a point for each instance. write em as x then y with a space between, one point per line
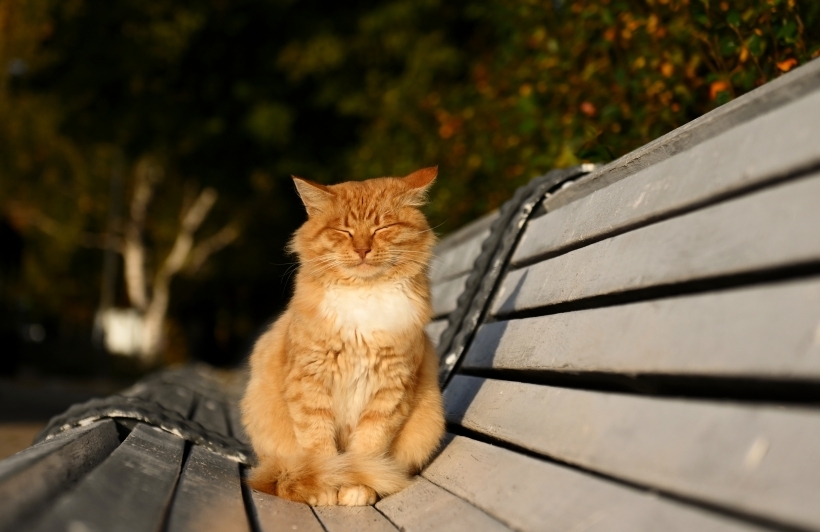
771 228
750 458
730 333
657 329
755 153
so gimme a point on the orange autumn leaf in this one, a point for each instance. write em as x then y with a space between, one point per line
588 109
786 65
717 87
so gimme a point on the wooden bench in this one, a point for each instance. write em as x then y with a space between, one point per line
633 347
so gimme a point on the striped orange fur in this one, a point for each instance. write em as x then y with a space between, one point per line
343 403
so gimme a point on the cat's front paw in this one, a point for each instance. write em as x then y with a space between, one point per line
300 491
356 496
323 497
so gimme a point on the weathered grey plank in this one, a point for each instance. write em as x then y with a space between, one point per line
274 514
128 492
445 295
457 259
348 519
425 507
41 472
465 233
532 495
209 494
768 147
772 228
776 93
435 329
761 460
769 331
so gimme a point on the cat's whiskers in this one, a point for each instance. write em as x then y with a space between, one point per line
309 263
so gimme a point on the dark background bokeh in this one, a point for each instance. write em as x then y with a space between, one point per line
237 95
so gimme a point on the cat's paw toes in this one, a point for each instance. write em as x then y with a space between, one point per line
356 496
323 497
310 493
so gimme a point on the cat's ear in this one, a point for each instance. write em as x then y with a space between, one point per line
418 183
316 197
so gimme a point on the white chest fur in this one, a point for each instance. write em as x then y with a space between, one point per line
367 309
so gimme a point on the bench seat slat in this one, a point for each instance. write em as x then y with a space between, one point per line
764 148
209 495
38 474
536 496
358 518
776 227
128 492
761 460
767 331
445 295
274 514
425 507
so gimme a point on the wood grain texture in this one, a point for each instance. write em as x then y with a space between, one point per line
765 331
274 514
435 329
425 507
764 148
758 102
761 460
35 476
445 295
356 518
457 259
128 492
775 227
532 495
209 495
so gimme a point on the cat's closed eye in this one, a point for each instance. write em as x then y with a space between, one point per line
382 228
345 231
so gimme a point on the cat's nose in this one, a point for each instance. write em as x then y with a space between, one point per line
362 252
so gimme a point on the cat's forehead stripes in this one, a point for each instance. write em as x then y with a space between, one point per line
365 204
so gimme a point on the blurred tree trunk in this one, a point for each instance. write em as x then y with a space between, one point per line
151 296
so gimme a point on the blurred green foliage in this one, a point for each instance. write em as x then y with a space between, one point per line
239 95
499 91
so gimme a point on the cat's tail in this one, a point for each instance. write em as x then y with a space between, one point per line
310 478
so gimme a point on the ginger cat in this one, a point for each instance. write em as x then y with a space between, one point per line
343 402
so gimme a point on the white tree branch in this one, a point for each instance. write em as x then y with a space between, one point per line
147 175
223 238
158 307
